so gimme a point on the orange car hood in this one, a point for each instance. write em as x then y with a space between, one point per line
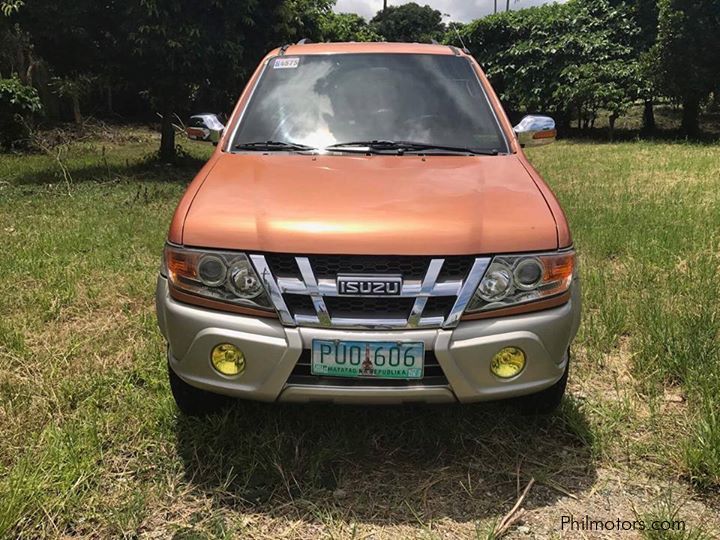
410 205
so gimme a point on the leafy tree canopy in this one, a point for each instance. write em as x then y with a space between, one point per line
560 57
409 23
17 103
347 27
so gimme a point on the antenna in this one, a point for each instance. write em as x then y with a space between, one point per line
457 32
465 49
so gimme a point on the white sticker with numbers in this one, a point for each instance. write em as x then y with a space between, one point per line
286 63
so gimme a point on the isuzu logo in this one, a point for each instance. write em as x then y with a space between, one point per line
369 285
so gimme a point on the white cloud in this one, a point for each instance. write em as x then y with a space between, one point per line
459 10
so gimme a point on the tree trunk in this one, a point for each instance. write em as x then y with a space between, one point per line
109 101
167 138
507 5
690 116
563 118
611 121
77 116
50 100
716 100
649 117
495 7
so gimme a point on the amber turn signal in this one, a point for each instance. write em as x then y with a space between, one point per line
559 271
180 264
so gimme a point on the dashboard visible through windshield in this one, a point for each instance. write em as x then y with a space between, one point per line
320 101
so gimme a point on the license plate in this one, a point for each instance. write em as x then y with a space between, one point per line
368 359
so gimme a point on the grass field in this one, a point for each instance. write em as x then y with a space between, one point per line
91 444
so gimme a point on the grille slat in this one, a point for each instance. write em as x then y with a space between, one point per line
434 293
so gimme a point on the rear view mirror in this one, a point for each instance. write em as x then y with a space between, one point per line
536 130
205 127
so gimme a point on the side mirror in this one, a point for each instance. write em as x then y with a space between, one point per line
536 130
205 127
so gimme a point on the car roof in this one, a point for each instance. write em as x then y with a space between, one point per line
367 48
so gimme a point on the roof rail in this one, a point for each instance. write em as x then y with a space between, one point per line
304 41
284 49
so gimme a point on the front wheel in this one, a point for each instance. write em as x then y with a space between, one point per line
193 401
548 400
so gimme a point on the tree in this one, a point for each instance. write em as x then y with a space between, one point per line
306 18
645 15
687 54
347 27
18 103
73 88
409 23
81 45
170 51
559 58
178 47
602 72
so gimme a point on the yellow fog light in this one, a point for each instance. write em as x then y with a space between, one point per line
228 359
508 362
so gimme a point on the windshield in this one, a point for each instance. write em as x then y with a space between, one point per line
323 100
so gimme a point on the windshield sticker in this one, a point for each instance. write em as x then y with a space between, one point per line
286 63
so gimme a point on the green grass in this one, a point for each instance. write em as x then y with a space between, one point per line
92 445
646 224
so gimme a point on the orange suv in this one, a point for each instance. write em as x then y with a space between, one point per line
369 230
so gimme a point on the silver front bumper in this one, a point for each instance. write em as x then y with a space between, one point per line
272 351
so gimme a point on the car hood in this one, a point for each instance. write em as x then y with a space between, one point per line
340 204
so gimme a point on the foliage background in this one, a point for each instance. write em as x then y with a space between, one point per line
134 59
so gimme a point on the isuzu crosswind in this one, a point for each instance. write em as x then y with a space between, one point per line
368 230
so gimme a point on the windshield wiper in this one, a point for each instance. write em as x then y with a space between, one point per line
273 146
409 146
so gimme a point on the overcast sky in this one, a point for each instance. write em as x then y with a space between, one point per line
460 10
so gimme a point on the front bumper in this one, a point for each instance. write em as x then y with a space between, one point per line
272 351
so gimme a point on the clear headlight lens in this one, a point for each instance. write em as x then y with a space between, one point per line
517 279
497 283
217 275
243 280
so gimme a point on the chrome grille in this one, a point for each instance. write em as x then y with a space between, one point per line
434 293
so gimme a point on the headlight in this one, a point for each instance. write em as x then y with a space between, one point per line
518 279
217 275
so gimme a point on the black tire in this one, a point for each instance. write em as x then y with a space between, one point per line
193 401
547 401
